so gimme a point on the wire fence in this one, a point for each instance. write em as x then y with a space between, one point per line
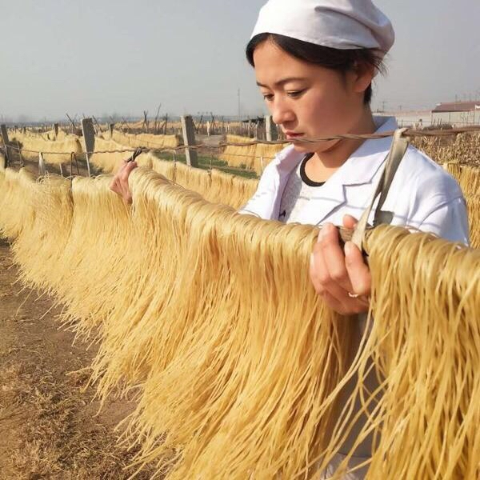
222 146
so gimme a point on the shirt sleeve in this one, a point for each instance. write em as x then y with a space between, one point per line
261 203
449 221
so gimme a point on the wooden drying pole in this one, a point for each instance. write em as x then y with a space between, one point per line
145 119
89 139
99 128
72 122
6 142
188 129
155 125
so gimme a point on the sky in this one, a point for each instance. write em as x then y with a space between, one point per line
107 57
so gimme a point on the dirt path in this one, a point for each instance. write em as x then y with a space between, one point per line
48 427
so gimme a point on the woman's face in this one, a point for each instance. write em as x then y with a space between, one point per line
309 100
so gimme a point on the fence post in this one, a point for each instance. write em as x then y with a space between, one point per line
89 139
165 128
6 142
41 165
270 129
188 130
55 129
111 127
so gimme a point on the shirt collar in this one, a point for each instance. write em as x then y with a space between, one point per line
364 163
361 166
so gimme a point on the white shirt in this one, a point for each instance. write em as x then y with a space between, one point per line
422 195
297 193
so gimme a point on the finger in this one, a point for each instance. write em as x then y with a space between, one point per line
339 300
334 258
127 170
321 279
346 306
315 267
115 186
358 271
349 222
121 167
333 303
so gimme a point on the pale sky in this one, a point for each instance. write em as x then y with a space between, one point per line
98 57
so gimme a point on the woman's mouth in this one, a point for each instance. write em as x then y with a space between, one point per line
293 134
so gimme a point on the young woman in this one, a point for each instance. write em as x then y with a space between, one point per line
315 61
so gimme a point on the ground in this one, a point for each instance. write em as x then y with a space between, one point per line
49 427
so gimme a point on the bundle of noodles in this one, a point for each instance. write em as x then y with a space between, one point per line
59 150
425 343
238 156
198 341
67 240
147 140
473 206
52 135
454 169
468 176
470 180
215 186
238 389
16 211
465 149
244 370
43 239
167 169
99 235
192 178
254 157
264 154
111 162
230 189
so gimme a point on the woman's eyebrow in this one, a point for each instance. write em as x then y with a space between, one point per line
282 82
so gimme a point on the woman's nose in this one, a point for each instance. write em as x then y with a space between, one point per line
282 113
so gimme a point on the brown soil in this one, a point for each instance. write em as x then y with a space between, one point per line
48 423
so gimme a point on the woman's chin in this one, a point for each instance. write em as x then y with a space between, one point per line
301 147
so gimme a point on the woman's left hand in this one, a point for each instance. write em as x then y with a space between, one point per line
341 278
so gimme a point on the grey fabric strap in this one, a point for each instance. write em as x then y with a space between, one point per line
395 156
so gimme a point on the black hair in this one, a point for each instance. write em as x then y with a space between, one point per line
335 59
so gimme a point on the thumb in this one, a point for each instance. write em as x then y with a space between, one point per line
349 222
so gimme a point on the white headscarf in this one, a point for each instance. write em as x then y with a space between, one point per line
340 24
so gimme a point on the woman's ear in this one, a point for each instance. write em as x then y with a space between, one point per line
364 75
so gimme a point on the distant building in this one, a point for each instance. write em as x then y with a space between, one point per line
457 113
410 118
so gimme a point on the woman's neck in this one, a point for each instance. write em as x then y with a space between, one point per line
324 164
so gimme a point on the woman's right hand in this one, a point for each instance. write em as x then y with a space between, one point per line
120 181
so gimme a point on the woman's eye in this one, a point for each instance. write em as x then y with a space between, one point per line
295 93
